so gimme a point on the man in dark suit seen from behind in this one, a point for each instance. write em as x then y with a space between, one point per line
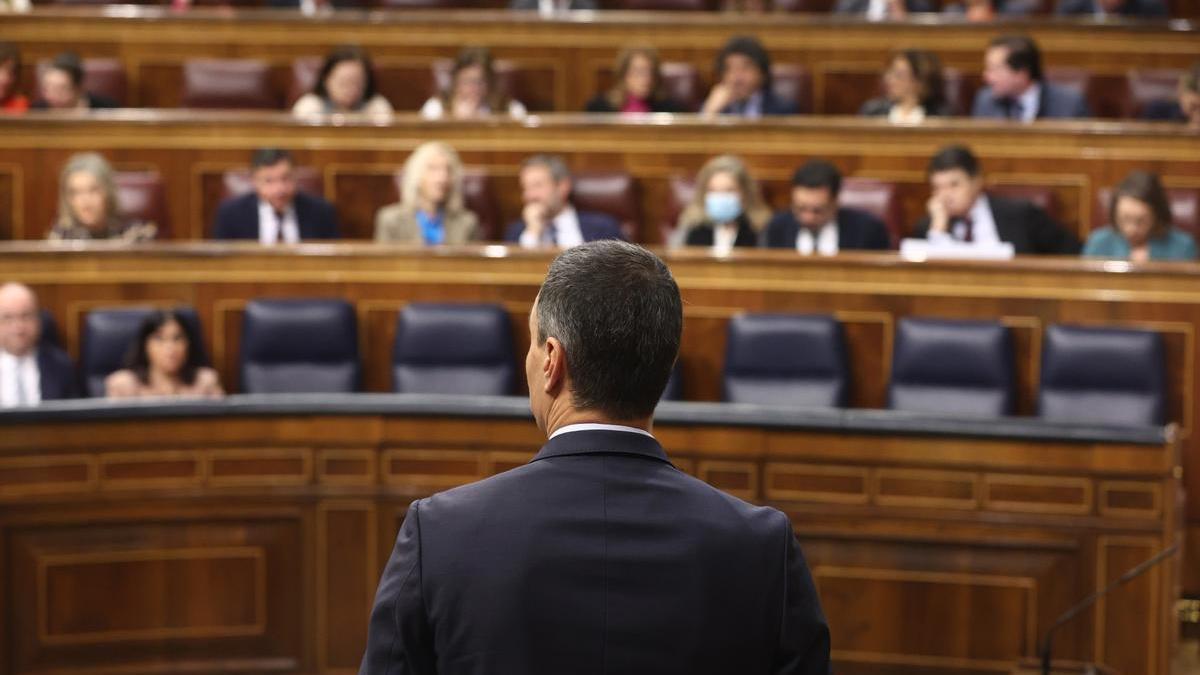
549 218
275 211
815 223
960 210
598 556
1017 88
1128 9
31 371
61 87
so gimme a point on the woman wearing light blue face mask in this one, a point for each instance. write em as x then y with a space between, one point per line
727 210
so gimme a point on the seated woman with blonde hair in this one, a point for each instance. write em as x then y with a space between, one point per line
431 209
88 206
164 361
727 208
1141 226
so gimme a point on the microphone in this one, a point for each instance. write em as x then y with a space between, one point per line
1065 617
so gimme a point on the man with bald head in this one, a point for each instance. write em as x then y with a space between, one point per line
29 372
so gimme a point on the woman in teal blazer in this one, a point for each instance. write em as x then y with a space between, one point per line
1141 229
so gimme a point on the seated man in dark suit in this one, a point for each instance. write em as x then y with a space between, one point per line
743 82
815 224
1016 88
1186 107
61 87
549 219
550 5
275 211
960 210
878 10
1135 9
30 371
598 556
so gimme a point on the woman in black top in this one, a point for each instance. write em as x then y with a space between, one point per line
914 87
638 87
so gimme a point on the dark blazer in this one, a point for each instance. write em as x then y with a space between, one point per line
1163 111
237 218
704 234
880 107
57 373
1145 9
860 6
533 4
601 104
771 105
95 102
594 226
857 230
1056 102
597 557
1028 228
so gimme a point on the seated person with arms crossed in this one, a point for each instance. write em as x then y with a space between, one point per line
31 371
430 210
815 223
276 211
345 85
598 556
743 82
1101 9
637 87
960 210
474 91
61 84
915 89
11 98
1185 107
727 208
549 219
1141 226
164 360
88 207
1016 88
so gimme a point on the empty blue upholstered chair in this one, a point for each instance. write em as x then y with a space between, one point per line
952 367
786 360
1111 376
674 388
108 336
299 346
453 349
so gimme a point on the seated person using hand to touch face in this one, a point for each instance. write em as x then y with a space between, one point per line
1141 228
276 211
743 76
346 85
11 98
163 361
551 5
474 91
815 224
727 208
430 210
549 219
31 371
879 10
61 85
88 206
1186 107
914 89
1016 88
638 87
1130 9
960 210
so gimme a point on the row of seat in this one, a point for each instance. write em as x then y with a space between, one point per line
249 84
953 367
142 196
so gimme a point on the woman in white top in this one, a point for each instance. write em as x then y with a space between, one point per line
345 85
473 91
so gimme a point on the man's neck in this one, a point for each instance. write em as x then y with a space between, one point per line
568 417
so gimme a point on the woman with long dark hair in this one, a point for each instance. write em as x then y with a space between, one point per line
164 360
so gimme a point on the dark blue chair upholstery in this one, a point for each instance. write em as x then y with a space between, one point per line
952 367
453 349
674 388
108 336
49 333
786 360
1110 376
299 346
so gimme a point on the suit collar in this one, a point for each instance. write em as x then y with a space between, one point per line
602 442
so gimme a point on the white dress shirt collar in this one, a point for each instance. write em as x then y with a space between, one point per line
824 243
570 428
563 231
983 223
1030 102
269 230
30 377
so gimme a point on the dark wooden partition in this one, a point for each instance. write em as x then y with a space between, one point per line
249 535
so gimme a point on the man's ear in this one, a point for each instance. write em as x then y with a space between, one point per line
554 367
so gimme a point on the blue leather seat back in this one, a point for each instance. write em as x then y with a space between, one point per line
674 388
786 360
1111 376
952 367
299 346
454 349
108 337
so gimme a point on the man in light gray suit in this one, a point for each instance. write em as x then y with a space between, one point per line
1017 90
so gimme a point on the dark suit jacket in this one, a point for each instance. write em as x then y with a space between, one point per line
856 230
1057 102
237 218
94 103
1145 9
533 4
1028 228
57 373
1163 111
703 234
594 226
771 105
601 104
597 557
880 107
860 6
